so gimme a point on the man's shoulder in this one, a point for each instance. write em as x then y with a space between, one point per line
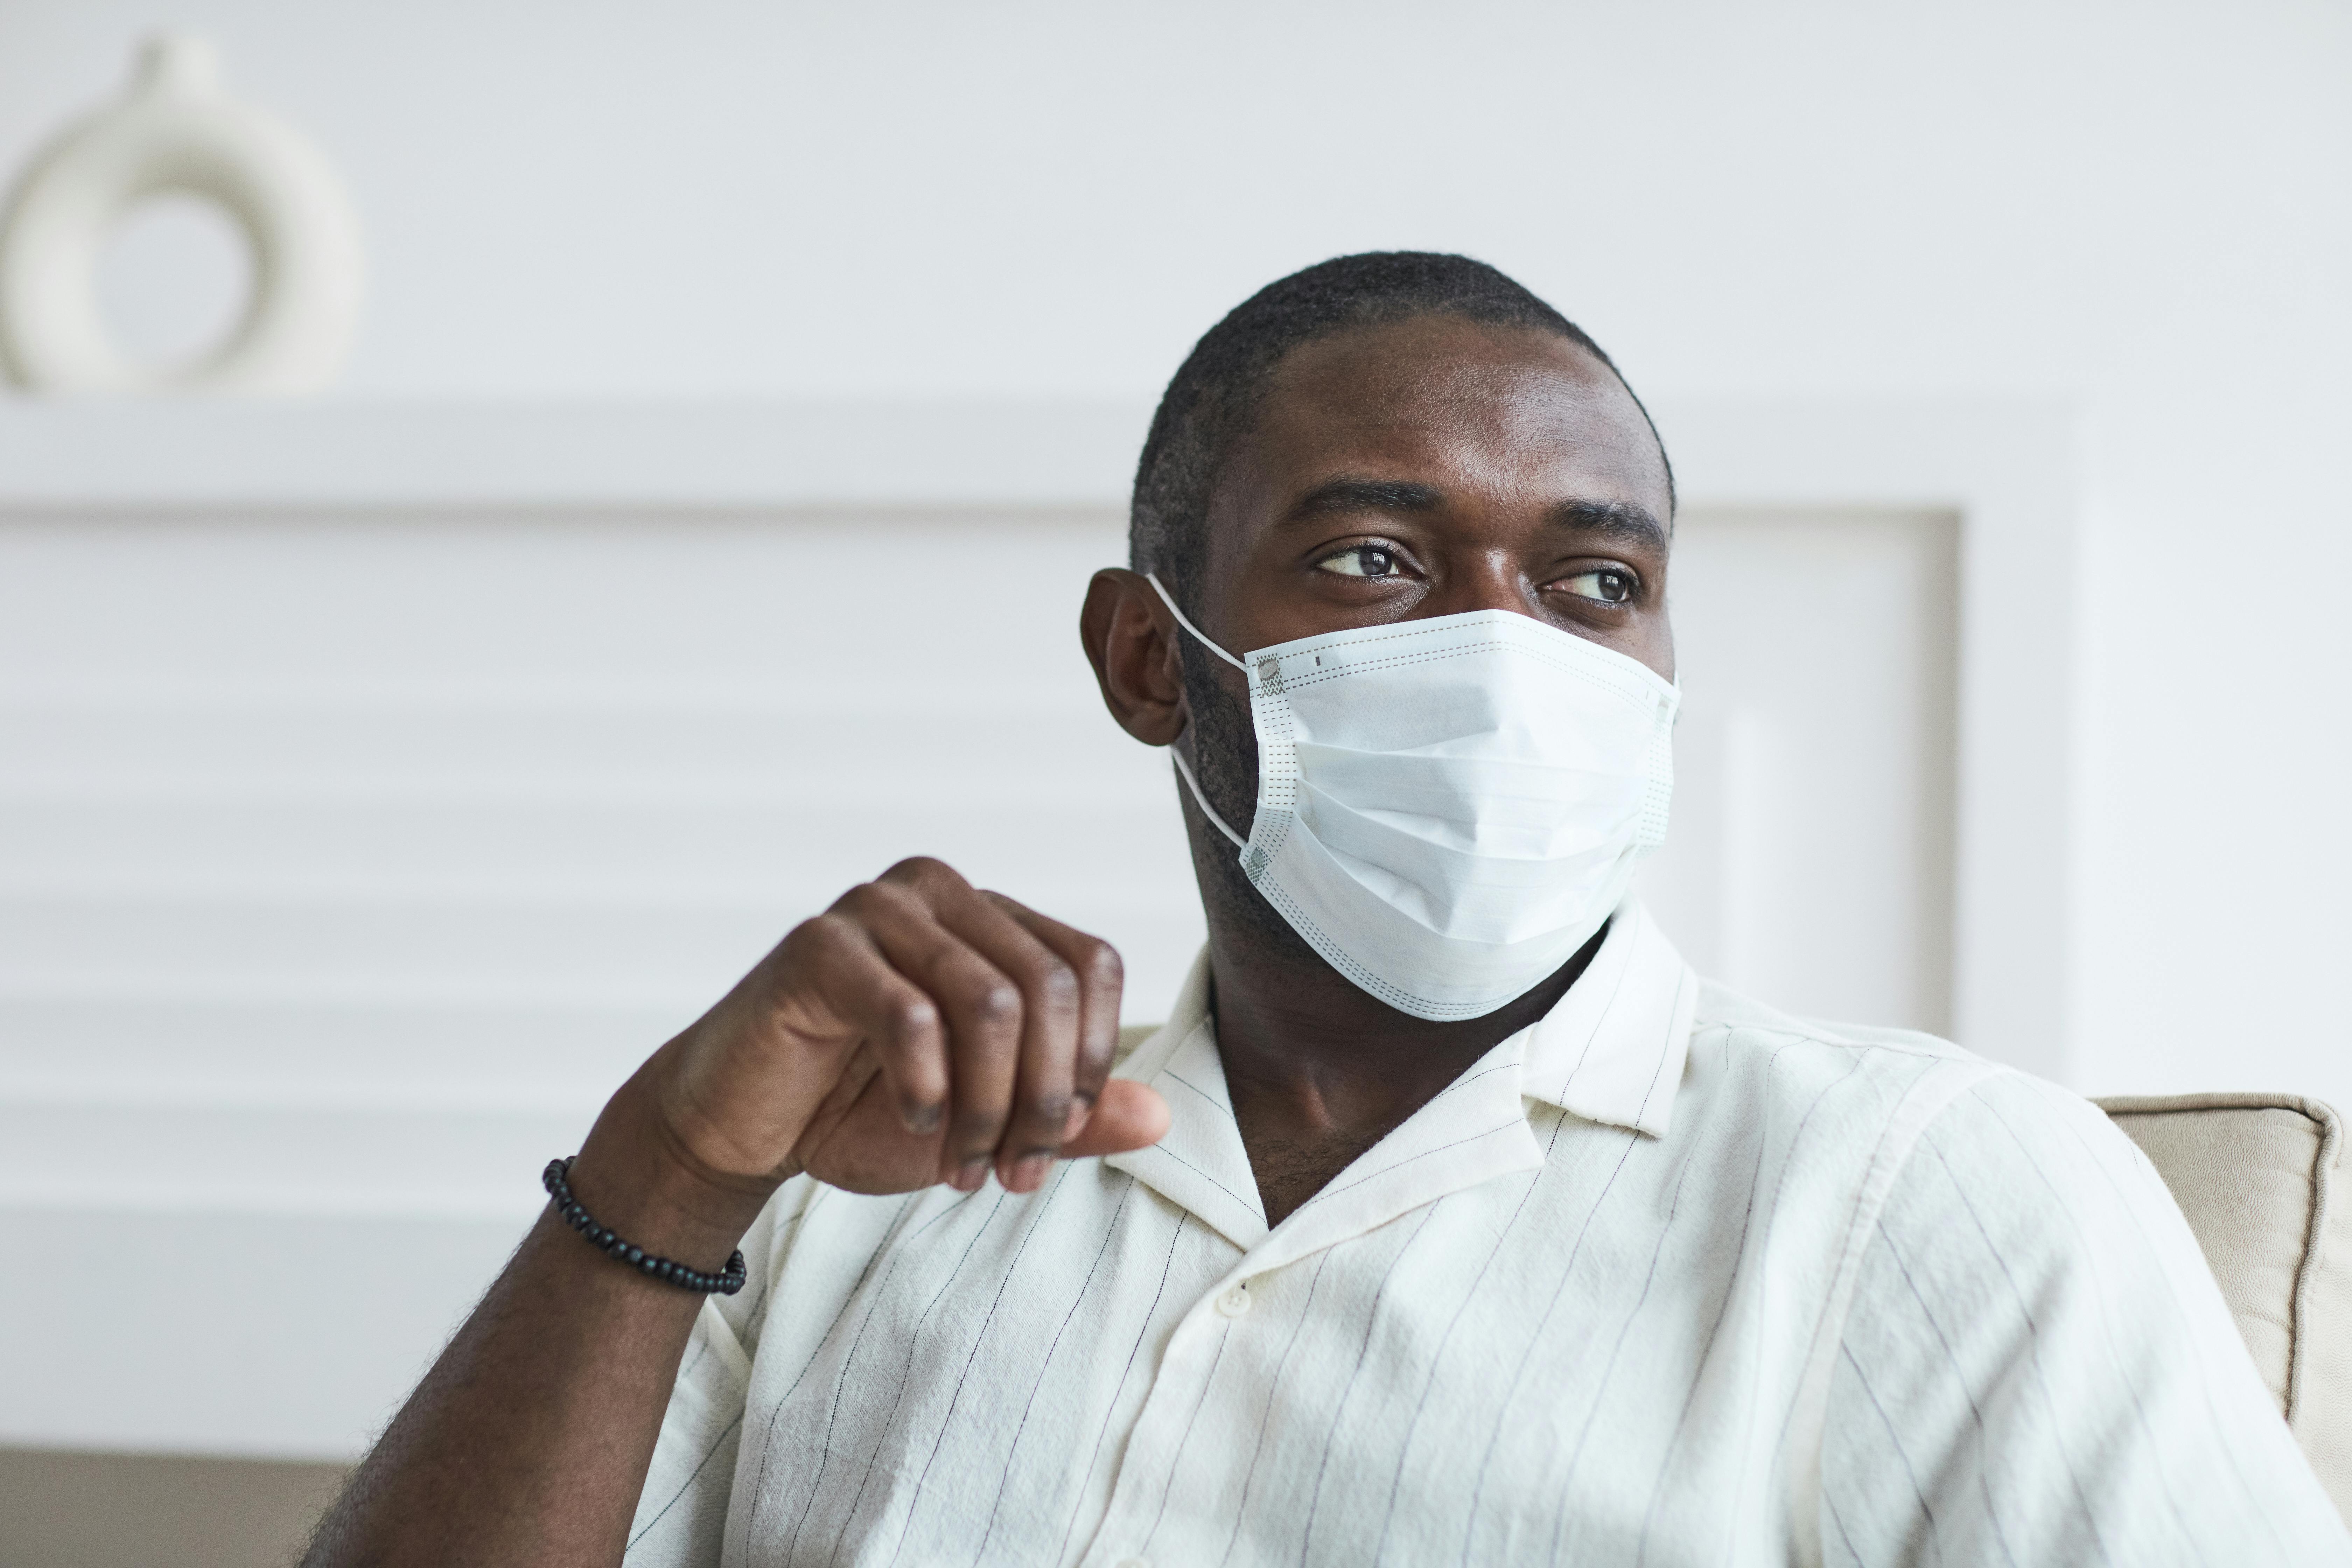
1929 1140
1841 1077
1881 1083
1750 1026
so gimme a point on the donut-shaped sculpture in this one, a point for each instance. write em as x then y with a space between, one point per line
177 132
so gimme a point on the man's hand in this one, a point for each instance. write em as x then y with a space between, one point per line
920 1030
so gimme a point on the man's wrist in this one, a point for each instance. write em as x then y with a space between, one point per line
633 1176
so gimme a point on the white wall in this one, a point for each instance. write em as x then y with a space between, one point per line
2142 209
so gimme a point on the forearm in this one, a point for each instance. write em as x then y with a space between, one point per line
529 1441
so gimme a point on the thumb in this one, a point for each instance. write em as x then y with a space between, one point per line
1127 1116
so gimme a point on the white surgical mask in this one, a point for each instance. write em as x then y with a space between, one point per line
1448 809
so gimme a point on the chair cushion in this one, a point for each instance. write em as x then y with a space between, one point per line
2255 1175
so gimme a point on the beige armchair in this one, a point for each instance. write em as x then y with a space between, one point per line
2255 1174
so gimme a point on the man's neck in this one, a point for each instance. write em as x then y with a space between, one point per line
1319 1070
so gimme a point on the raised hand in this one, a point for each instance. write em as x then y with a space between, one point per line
920 1030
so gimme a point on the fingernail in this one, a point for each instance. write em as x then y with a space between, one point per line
973 1173
1028 1172
920 1119
1077 1118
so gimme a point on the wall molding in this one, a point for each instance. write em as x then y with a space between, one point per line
2010 469
701 457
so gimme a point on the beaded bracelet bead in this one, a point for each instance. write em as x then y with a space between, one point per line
669 1272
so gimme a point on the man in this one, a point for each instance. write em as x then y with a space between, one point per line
1449 1219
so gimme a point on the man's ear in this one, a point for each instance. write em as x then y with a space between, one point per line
1130 638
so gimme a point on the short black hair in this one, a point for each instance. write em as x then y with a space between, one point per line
1214 396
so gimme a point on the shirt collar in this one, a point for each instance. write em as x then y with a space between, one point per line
1200 1161
1613 1049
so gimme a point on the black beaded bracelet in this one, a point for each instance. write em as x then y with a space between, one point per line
637 1257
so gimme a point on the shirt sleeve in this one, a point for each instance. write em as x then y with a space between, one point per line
681 1519
2037 1367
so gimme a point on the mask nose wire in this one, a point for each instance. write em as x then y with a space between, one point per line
1183 769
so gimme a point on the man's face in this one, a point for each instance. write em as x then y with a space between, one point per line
1434 466
1426 467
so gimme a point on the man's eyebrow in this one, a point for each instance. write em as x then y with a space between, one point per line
1619 521
1365 495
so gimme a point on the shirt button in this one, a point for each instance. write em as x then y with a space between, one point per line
1236 1302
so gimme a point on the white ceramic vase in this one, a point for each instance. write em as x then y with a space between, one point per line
177 132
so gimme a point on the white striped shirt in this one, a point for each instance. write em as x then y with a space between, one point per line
1665 1278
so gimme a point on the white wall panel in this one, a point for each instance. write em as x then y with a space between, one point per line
347 862
1812 859
523 758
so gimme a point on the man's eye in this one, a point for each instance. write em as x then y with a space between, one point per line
1360 561
1607 586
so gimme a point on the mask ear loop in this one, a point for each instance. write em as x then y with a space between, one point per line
1183 769
1202 801
1170 600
